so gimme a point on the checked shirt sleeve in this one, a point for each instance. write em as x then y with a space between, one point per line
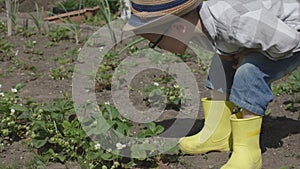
261 29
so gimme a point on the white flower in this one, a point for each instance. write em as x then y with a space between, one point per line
120 146
116 164
156 84
97 146
17 53
34 42
176 86
14 90
0 86
12 110
107 103
2 94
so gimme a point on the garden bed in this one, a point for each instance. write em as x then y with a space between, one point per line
42 66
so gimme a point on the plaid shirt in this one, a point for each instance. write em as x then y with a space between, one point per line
272 26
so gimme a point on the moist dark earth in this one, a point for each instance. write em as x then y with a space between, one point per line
280 137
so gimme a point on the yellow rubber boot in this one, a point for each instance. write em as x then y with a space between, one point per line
246 150
216 133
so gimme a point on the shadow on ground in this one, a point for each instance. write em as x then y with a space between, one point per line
274 129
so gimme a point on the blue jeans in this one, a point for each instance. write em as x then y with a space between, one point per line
249 85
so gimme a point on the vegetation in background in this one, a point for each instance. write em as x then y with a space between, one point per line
37 17
290 86
70 5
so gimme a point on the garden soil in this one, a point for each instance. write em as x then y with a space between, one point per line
280 137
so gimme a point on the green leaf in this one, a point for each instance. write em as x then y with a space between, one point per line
99 127
131 164
141 134
174 150
113 112
147 146
48 155
24 115
150 126
4 106
122 128
38 143
61 157
149 133
50 152
93 155
39 125
159 129
19 86
19 108
138 152
66 124
106 156
56 116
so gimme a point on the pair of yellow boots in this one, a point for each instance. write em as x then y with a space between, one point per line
224 131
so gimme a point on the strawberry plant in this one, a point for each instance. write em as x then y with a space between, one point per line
55 131
6 50
58 34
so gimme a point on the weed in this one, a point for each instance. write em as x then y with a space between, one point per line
105 11
6 50
61 73
290 167
50 44
293 105
296 155
14 12
66 6
3 29
105 71
30 45
185 163
76 30
27 32
72 53
62 60
204 156
95 20
58 34
37 18
17 63
291 86
73 27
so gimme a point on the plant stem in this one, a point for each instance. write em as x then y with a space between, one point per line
8 4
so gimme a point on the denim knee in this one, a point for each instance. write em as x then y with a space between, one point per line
250 90
251 82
